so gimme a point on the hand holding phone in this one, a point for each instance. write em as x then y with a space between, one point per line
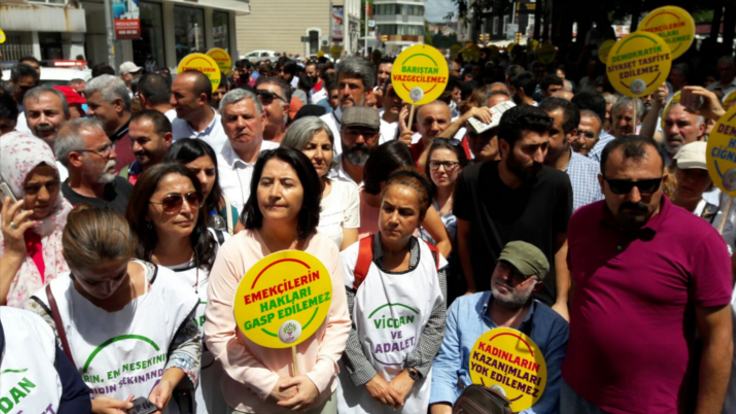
142 405
7 192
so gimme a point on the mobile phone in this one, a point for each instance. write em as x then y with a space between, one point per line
7 192
142 405
691 101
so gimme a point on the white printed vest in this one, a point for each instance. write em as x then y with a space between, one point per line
29 383
123 353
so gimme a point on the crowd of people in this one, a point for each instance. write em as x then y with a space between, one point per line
134 203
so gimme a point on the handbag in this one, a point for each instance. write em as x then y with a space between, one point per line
477 399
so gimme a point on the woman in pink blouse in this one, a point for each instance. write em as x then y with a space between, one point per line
281 213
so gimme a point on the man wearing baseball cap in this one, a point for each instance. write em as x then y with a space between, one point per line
519 270
691 181
128 72
359 131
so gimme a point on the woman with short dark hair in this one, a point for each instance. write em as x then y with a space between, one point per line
281 213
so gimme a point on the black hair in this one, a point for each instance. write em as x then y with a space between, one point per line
525 82
8 107
154 88
570 113
203 243
186 150
290 67
591 100
410 178
102 69
308 217
384 160
161 123
29 58
285 87
22 70
522 118
550 80
633 147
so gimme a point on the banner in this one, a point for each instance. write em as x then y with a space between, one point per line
337 22
126 19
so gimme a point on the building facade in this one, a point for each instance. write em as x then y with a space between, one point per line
399 23
300 28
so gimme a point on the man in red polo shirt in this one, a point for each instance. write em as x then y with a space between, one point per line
648 278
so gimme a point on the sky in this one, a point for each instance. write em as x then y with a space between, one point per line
436 10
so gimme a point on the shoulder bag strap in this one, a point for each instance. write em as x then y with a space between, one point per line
59 325
365 256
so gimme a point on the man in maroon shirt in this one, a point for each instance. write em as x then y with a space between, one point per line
648 278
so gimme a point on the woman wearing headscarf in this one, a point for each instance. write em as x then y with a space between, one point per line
30 240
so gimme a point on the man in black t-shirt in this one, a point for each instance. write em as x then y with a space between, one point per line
516 198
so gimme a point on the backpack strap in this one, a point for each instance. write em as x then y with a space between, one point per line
59 325
435 254
365 257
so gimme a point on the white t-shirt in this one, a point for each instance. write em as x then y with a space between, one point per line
339 209
235 174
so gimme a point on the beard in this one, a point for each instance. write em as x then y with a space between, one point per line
632 216
510 300
357 155
525 174
108 173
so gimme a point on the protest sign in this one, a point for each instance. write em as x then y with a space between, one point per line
638 64
673 24
202 63
222 58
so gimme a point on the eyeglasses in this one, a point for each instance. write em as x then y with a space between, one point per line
646 187
449 165
103 151
173 202
267 97
587 134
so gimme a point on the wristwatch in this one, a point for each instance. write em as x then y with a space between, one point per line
414 374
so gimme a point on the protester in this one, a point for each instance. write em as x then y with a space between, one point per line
129 72
243 121
88 154
516 198
726 83
46 111
30 242
191 93
339 216
22 79
8 113
355 78
109 101
74 100
589 130
432 119
112 299
150 133
32 362
626 116
445 163
274 95
382 270
166 216
647 318
582 171
258 379
200 159
520 269
391 106
359 131
155 93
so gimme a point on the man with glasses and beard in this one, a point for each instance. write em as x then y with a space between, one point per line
516 198
85 150
648 279
520 269
359 133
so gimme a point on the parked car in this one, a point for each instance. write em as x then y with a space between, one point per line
261 54
57 76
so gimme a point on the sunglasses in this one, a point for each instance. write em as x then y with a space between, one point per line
646 187
173 202
267 97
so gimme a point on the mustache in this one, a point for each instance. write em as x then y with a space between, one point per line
634 207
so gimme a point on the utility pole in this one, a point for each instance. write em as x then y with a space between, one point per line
110 34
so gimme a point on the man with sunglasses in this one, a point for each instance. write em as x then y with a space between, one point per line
648 277
519 271
83 147
275 95
191 93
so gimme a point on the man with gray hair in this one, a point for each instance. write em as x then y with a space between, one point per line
243 121
46 111
109 101
681 126
84 148
355 80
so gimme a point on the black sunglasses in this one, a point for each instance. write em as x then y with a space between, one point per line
645 187
267 97
173 202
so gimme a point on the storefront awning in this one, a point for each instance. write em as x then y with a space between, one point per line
240 7
26 17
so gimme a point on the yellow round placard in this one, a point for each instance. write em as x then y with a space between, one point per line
673 24
283 299
604 49
420 74
729 100
222 58
510 359
202 63
638 64
2 36
721 153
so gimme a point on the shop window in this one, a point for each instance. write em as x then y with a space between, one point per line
148 51
221 29
188 31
